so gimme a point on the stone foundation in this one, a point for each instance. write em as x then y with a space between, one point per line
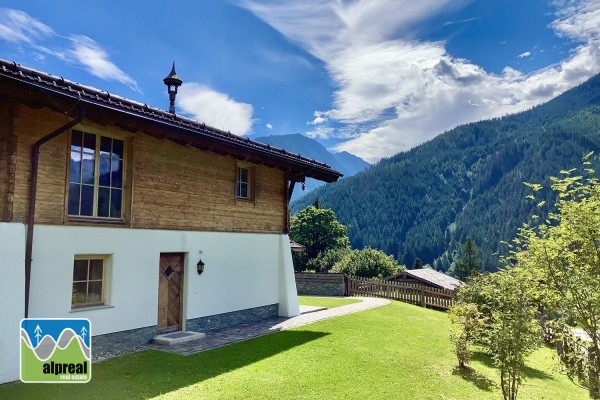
114 344
230 319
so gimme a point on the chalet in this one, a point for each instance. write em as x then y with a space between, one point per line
139 219
428 277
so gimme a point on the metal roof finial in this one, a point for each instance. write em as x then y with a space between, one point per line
173 82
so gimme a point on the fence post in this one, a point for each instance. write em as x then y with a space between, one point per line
423 301
346 289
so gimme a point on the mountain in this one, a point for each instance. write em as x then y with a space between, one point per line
468 181
344 162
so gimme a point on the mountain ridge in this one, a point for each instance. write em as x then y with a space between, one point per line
426 201
344 162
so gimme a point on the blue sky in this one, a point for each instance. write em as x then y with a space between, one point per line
370 77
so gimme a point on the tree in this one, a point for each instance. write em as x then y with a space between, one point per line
318 230
368 263
564 253
327 259
468 262
515 331
467 323
505 325
418 263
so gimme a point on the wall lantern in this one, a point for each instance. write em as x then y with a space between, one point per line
200 266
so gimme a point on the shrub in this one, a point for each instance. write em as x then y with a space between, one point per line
467 324
367 263
325 261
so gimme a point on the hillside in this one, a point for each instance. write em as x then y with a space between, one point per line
344 162
466 182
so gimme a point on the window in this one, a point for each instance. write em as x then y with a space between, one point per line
96 178
242 190
89 281
244 185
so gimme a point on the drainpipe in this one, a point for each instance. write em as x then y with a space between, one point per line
35 153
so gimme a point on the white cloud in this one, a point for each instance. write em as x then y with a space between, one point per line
525 54
215 109
578 20
393 93
96 60
19 27
269 126
320 132
462 21
320 118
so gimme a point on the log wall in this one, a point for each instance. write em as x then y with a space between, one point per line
5 157
169 186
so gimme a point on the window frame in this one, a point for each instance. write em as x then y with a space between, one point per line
250 182
125 176
104 280
239 183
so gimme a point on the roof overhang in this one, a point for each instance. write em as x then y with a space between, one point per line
38 89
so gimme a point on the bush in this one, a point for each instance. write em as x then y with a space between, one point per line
467 324
325 261
507 308
367 263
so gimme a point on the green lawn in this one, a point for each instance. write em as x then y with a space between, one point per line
329 302
397 351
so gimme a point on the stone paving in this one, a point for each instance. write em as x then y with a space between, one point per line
227 336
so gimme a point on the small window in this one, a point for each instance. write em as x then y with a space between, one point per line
243 183
89 281
96 178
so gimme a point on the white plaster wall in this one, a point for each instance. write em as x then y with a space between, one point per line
288 294
242 271
12 297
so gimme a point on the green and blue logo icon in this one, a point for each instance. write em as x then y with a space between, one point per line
56 350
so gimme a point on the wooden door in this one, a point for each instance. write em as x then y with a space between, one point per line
170 290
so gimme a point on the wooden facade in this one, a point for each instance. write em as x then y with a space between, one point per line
169 186
172 181
8 161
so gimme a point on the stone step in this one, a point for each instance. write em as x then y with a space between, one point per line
178 337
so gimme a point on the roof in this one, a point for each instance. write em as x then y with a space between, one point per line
296 246
64 95
431 277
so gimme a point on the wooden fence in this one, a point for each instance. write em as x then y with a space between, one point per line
412 293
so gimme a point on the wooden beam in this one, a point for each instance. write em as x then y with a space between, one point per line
291 189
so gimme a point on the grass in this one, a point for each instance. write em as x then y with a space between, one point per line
397 351
329 302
